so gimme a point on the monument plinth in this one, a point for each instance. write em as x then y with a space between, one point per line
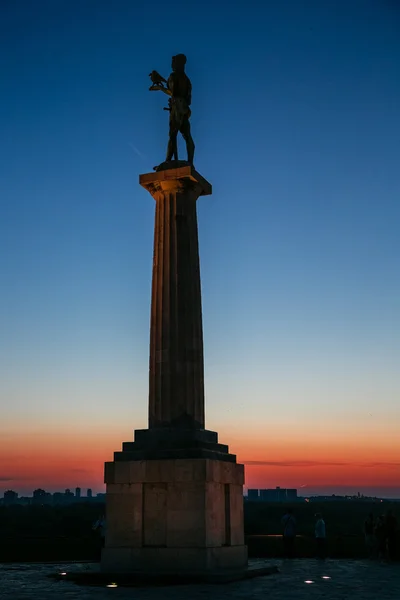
174 501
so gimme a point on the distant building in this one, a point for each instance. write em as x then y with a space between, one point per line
68 493
334 498
278 495
291 495
269 495
42 497
77 492
25 501
252 495
10 497
58 498
89 493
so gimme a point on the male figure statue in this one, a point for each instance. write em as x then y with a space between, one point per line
179 89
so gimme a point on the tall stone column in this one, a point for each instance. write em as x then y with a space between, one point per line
174 501
176 373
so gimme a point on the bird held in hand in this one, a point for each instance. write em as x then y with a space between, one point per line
157 79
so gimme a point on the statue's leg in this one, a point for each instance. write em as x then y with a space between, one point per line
172 150
187 136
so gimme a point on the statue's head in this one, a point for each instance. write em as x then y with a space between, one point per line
178 62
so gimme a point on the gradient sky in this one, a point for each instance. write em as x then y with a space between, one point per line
296 124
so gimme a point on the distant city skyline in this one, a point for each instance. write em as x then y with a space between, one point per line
295 121
276 494
388 493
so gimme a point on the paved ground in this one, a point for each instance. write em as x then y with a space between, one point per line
348 580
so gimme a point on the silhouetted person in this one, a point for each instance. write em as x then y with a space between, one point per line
289 533
369 532
100 527
320 536
380 533
391 534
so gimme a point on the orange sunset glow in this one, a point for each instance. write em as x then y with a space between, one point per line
274 248
74 457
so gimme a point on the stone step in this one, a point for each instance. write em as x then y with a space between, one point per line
174 453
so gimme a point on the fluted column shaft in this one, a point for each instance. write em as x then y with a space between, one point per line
176 370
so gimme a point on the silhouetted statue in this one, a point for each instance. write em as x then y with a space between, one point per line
179 89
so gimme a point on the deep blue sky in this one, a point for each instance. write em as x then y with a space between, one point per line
296 122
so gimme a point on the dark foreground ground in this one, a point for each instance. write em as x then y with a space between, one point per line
43 533
329 580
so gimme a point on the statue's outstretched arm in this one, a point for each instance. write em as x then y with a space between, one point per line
160 88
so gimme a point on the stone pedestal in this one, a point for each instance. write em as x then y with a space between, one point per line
174 501
182 517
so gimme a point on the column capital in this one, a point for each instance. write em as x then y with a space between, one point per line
184 178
